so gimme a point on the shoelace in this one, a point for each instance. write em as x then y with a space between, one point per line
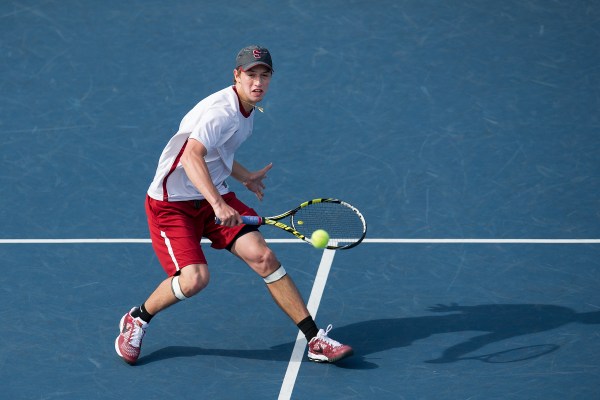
137 334
328 340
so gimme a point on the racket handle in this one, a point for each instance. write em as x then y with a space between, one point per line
246 219
251 220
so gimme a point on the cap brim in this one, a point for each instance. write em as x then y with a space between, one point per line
254 64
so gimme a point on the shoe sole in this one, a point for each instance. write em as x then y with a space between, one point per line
323 359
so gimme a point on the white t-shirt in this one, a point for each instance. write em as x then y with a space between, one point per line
219 124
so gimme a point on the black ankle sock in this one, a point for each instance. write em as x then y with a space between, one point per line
141 313
308 327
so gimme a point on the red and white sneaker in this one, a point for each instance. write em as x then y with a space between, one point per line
129 342
322 348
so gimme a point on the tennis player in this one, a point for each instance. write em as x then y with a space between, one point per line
189 190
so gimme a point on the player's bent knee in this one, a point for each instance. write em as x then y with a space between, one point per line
176 288
192 280
264 263
275 275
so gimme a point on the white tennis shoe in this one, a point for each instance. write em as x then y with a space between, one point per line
322 348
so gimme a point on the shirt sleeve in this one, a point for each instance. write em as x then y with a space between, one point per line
213 129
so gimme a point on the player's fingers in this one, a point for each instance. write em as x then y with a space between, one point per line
234 220
259 195
265 169
231 219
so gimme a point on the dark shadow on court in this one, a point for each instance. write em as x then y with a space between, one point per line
277 353
498 321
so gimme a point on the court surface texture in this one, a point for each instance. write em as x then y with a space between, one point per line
467 132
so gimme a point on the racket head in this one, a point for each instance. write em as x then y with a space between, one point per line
343 222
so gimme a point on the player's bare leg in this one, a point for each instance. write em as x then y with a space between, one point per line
253 249
189 282
192 280
286 295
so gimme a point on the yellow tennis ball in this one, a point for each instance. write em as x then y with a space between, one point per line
319 239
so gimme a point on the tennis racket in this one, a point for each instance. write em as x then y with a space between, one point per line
344 223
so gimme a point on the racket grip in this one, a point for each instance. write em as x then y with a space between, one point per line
246 219
251 220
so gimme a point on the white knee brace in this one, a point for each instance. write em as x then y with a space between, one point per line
276 275
177 289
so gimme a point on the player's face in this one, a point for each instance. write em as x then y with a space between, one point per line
254 83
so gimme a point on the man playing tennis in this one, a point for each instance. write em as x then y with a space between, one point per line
189 190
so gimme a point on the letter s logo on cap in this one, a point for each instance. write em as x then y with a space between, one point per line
256 53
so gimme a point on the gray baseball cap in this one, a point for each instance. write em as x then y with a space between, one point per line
252 56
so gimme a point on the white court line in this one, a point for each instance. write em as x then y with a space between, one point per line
497 241
69 241
292 241
314 300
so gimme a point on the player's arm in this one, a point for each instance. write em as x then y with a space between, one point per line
252 180
197 171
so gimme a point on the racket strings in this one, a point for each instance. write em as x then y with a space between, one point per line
341 222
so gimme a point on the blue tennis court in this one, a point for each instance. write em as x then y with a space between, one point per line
467 133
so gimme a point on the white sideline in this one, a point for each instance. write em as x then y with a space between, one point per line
314 300
292 241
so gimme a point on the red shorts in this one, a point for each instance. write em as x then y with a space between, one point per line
177 227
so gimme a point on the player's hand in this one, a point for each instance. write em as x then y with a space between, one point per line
254 182
228 216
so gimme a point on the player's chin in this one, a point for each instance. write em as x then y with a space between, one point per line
257 95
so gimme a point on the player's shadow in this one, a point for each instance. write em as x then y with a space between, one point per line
278 353
497 321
